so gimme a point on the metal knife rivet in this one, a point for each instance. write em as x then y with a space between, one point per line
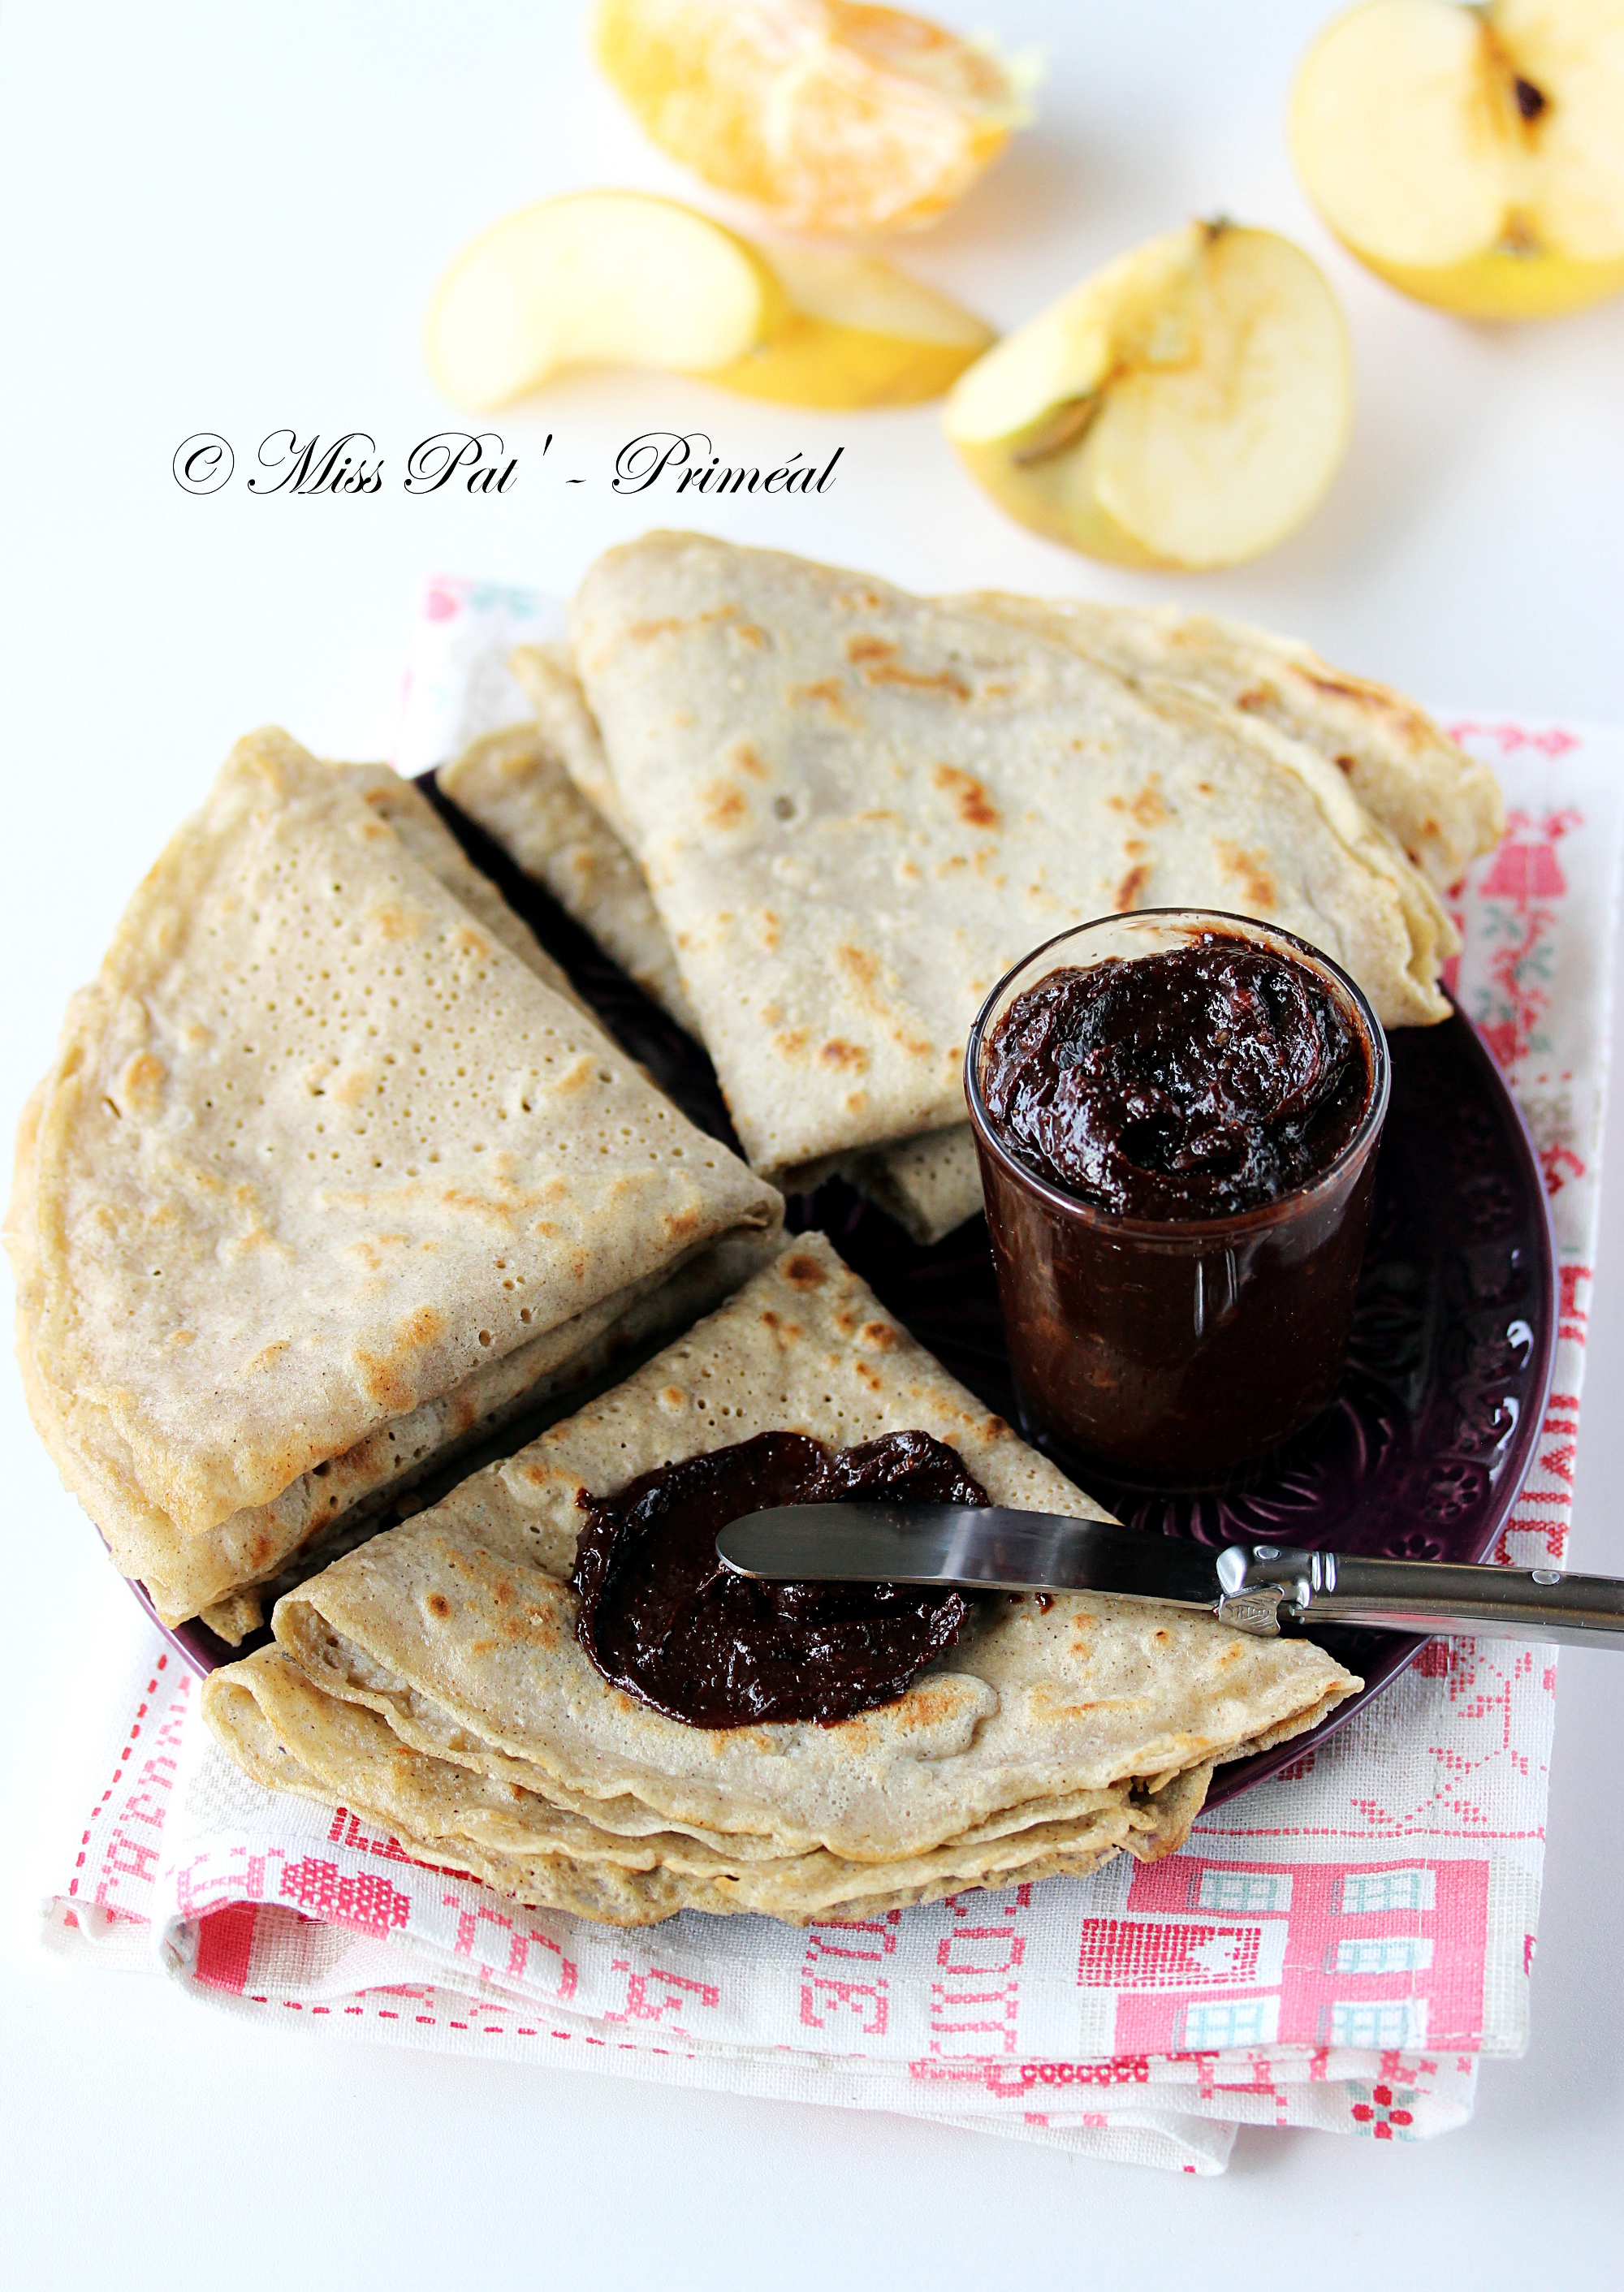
1266 1552
1548 1575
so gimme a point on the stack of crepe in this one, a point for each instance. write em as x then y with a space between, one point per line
818 818
431 1679
332 1175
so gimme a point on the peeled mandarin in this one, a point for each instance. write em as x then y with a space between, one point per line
831 116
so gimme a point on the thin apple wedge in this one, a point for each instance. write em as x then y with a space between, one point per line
1187 406
622 278
1472 156
596 279
858 334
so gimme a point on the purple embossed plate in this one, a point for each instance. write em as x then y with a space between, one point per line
1421 1453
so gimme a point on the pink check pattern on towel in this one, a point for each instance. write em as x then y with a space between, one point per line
1339 1948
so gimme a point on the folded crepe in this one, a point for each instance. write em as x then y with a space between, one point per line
432 1679
1441 804
546 795
407 811
325 1181
854 809
516 785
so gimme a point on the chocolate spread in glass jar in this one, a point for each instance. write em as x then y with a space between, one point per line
1177 1148
662 1618
1200 1082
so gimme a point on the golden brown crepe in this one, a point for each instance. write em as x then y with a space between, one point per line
324 1180
1442 805
854 809
432 1678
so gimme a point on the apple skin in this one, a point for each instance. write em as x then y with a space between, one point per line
1500 284
1073 517
817 362
856 333
1486 81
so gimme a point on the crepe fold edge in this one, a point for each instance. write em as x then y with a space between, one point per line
250 1541
1441 805
708 734
287 1734
535 789
454 1632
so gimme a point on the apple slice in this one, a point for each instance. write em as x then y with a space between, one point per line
596 279
1473 157
858 334
621 278
1186 406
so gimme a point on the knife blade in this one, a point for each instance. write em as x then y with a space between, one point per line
1253 1587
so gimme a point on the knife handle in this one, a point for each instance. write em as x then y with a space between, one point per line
1421 1595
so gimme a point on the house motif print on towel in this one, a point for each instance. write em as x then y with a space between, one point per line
1520 895
1210 1956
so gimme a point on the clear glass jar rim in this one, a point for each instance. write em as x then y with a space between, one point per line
1185 1230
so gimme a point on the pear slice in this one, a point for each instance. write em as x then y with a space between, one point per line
1187 406
596 279
1472 156
858 334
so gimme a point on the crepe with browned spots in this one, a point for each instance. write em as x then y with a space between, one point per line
328 1177
855 809
1441 805
433 1679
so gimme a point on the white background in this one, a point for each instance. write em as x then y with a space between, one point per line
228 218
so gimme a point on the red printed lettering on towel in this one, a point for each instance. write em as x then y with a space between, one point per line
518 1948
868 1940
824 1997
653 1995
368 1903
981 1949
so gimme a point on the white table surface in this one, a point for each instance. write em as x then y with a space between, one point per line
228 219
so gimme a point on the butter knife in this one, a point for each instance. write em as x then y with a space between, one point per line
1254 1587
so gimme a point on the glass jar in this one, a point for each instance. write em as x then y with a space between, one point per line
1173 1352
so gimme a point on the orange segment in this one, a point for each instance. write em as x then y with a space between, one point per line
830 115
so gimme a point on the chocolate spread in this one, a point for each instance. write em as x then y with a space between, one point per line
1196 1082
662 1618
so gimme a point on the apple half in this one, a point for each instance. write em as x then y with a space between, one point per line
1472 156
1187 406
625 278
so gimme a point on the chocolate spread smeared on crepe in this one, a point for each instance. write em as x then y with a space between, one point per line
433 1679
855 808
326 1179
663 1617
